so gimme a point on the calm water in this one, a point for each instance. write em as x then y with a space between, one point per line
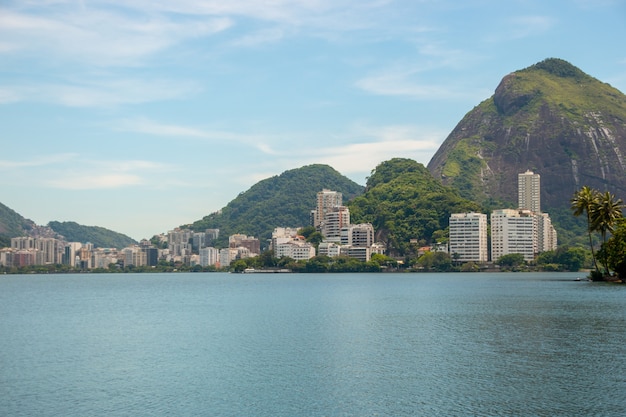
311 345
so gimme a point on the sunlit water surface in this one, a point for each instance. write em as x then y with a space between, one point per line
311 345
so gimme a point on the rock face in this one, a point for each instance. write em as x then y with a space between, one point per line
551 118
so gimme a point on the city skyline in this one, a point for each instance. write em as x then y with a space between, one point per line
143 116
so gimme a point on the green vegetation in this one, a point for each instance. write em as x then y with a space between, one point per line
280 201
566 87
603 212
99 236
404 202
12 225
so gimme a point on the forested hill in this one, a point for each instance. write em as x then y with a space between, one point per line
285 200
403 201
99 236
12 224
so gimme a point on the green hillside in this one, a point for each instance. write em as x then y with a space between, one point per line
99 236
285 200
12 224
403 201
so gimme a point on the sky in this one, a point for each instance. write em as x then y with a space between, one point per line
144 115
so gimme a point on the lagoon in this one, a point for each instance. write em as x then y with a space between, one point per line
496 344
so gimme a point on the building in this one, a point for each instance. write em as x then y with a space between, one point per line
252 244
296 249
335 219
211 236
546 234
198 241
282 235
468 237
326 201
513 231
209 256
529 191
330 249
358 235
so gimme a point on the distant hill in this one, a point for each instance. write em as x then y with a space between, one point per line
403 201
551 118
99 236
12 224
285 200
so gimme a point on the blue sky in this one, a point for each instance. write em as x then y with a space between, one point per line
142 115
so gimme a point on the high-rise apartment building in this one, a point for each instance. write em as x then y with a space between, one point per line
335 219
529 191
468 237
513 231
358 235
326 201
546 234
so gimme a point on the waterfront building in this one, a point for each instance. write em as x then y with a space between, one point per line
358 235
330 249
326 201
227 255
546 234
335 219
513 231
282 235
529 191
468 237
198 240
209 256
296 249
211 236
249 242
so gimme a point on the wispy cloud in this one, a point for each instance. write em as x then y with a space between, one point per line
38 161
151 127
97 37
98 91
406 81
378 144
92 174
93 182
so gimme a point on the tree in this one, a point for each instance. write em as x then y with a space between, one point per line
511 260
605 211
614 250
582 202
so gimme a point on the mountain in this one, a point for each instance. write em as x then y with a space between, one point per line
12 224
550 118
99 236
285 200
403 201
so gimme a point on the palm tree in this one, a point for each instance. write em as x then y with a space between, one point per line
582 202
604 212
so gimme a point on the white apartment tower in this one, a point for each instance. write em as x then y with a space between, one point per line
335 219
546 235
513 231
468 237
326 201
528 191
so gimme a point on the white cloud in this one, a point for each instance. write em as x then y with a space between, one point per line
38 161
91 182
98 37
98 92
378 144
151 127
405 82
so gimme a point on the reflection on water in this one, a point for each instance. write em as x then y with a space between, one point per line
318 345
